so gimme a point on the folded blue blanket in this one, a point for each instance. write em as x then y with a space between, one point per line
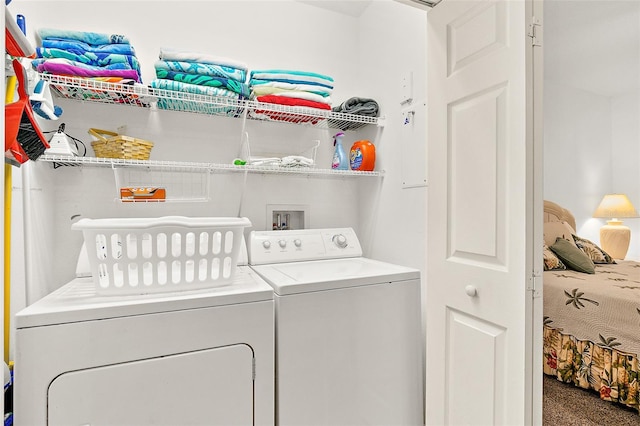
87 37
81 47
198 68
90 58
205 80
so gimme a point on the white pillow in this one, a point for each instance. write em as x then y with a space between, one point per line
553 230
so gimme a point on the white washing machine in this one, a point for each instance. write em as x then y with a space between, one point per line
348 330
202 357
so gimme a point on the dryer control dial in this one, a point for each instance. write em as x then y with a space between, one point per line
297 242
282 243
266 244
339 240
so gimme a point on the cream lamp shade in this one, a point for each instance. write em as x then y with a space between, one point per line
614 236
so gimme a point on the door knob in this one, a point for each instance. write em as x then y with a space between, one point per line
471 290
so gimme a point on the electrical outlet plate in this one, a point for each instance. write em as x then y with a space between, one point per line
406 87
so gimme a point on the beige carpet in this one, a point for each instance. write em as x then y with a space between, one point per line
565 405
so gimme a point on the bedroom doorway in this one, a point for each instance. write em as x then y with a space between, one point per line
591 134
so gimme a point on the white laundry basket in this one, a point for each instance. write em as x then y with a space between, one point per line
171 253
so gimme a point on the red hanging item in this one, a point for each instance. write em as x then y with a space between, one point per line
23 139
16 44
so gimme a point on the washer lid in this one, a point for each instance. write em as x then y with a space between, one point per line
303 277
77 301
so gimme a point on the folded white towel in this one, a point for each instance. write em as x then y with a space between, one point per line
263 161
296 161
168 54
297 94
320 90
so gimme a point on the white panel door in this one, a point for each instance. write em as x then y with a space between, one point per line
481 204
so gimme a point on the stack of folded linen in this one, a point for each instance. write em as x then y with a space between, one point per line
105 57
290 88
201 74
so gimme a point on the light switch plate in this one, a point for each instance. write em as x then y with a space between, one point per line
406 87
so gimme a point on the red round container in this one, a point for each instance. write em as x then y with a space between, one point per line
362 156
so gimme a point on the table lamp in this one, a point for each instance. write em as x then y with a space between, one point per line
614 236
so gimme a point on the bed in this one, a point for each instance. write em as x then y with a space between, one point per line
591 313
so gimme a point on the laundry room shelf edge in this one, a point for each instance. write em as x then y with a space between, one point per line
138 95
182 166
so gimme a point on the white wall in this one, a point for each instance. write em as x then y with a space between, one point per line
577 152
591 148
395 217
625 148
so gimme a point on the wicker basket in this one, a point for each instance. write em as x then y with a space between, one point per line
119 146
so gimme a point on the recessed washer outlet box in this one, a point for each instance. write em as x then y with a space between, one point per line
287 216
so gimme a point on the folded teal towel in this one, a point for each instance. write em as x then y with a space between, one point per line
205 80
87 37
198 68
81 47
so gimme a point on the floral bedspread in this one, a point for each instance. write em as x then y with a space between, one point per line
592 329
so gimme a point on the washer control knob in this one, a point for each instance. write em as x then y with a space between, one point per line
340 240
266 244
282 243
297 242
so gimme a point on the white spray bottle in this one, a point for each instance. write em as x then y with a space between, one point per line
340 159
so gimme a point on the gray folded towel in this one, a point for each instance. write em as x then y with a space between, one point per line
358 106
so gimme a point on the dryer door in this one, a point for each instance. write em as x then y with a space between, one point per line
211 386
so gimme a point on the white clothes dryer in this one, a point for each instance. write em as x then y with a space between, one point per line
200 357
349 346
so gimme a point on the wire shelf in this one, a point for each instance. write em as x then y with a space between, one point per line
178 166
308 171
195 103
85 89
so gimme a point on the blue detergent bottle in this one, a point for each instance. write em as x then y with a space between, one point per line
340 159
